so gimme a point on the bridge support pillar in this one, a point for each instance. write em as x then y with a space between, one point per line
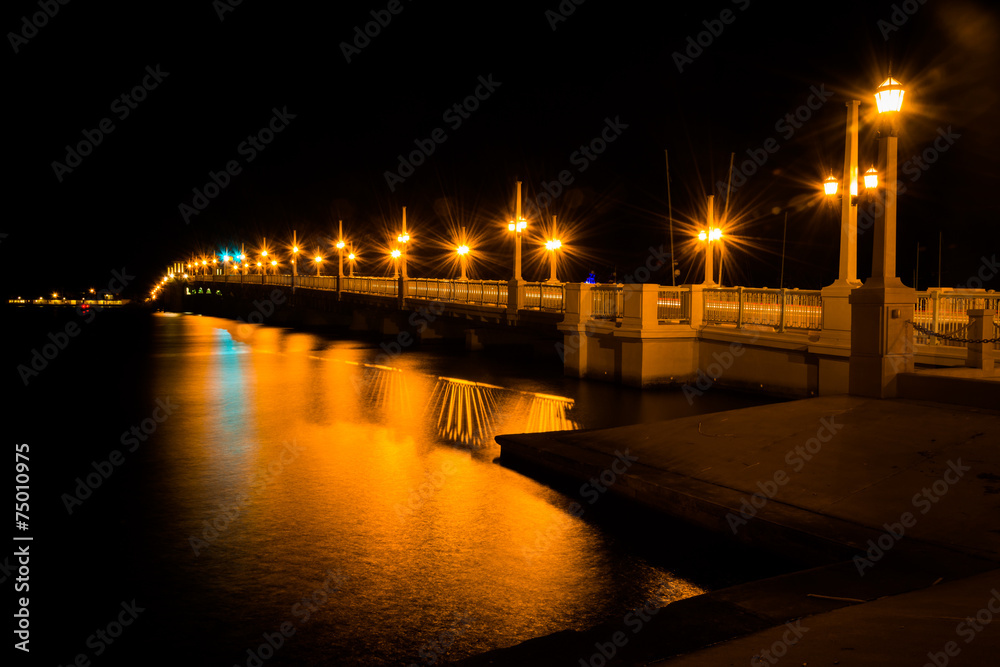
472 340
515 298
882 337
573 349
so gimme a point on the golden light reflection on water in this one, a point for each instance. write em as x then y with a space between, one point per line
339 465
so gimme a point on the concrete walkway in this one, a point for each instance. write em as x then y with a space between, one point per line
894 496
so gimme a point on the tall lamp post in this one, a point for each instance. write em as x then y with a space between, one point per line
340 248
552 245
517 225
463 254
403 239
708 236
882 309
835 335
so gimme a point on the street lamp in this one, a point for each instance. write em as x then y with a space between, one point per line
830 185
517 225
882 309
889 99
319 265
350 258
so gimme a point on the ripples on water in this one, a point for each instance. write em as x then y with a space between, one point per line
297 468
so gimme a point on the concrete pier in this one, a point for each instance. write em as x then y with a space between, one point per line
893 498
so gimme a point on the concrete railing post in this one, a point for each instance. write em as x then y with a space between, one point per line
640 310
696 304
781 322
935 311
739 314
981 355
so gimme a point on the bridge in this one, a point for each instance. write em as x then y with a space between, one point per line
785 341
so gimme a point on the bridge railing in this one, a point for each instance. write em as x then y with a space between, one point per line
479 292
607 302
673 304
947 313
316 282
779 308
382 286
544 296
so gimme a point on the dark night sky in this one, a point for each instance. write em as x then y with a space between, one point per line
119 207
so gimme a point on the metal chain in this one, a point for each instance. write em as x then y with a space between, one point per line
928 332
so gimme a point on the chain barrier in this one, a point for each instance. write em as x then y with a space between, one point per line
952 337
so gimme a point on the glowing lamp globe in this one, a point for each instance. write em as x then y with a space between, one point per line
830 185
889 96
463 250
716 234
553 244
703 235
871 179
396 254
340 245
